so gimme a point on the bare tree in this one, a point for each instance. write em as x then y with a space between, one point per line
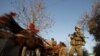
33 11
91 22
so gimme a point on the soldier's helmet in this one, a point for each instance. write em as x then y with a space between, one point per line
77 27
52 38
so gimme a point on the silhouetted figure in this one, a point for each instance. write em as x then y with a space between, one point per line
53 42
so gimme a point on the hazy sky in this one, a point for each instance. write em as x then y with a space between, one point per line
65 13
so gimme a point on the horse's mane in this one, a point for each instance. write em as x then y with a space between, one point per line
9 22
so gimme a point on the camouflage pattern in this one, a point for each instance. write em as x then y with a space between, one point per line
77 41
77 49
54 43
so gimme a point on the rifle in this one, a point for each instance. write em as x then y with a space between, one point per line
36 35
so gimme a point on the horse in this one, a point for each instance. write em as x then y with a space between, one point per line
18 37
32 41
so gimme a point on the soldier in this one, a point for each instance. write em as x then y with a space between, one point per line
53 42
77 41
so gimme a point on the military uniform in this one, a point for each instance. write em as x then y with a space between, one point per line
77 49
77 41
54 43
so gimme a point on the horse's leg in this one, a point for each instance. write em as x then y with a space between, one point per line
38 53
24 50
27 52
